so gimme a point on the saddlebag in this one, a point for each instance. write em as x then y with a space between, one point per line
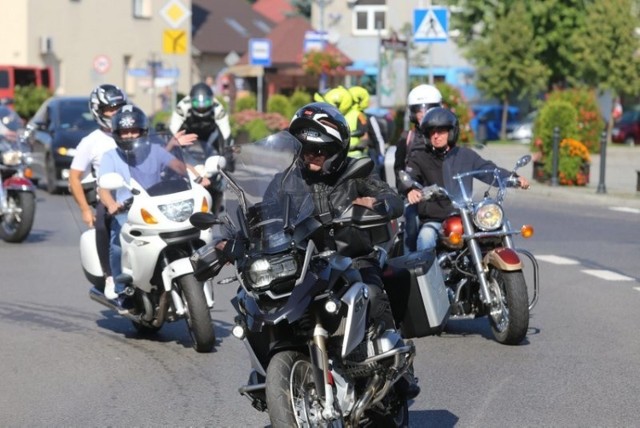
419 300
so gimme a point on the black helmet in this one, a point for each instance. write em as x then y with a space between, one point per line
130 117
322 126
201 100
105 96
439 117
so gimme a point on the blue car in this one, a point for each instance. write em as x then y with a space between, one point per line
487 119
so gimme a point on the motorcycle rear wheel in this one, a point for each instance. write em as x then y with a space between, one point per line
198 314
510 319
292 395
15 228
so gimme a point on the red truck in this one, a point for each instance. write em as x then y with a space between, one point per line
22 75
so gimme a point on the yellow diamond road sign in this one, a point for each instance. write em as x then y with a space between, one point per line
175 13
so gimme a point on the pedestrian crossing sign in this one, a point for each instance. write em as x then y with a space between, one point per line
431 25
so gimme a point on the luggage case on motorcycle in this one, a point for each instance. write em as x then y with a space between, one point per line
428 305
419 300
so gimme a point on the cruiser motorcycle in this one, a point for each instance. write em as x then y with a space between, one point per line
157 241
482 269
17 192
302 312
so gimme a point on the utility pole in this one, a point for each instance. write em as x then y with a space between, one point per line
322 4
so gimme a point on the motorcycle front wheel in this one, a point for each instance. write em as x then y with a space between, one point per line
16 223
292 395
509 315
198 314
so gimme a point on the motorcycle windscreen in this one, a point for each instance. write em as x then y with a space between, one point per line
157 166
277 197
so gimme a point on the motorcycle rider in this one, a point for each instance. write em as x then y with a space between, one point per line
134 157
420 99
104 101
200 113
435 164
324 134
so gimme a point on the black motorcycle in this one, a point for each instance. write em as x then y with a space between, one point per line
302 312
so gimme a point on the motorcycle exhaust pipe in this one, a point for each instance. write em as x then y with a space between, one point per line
97 296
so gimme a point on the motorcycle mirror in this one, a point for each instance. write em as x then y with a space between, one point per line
407 181
203 221
112 181
524 160
214 164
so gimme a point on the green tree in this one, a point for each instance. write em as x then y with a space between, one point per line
553 23
606 48
302 6
506 65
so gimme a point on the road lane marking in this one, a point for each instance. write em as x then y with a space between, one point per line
557 260
607 275
626 210
636 288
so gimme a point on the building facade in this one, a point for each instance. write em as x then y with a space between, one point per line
130 43
358 26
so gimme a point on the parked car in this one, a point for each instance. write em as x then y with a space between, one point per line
626 130
522 131
487 120
54 132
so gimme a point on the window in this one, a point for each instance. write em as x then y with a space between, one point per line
370 17
142 9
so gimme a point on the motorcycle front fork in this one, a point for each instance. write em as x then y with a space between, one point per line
322 374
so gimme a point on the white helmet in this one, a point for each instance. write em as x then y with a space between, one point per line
422 98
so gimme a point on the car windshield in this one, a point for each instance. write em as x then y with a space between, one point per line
75 115
629 117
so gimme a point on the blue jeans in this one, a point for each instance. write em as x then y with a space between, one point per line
410 228
428 235
428 239
115 249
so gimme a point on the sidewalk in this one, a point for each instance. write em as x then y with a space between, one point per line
619 182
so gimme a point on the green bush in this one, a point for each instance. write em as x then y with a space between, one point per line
28 99
257 130
553 114
278 103
248 102
298 100
163 117
589 123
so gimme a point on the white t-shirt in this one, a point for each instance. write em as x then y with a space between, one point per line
90 150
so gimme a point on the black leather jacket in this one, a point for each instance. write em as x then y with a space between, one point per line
333 195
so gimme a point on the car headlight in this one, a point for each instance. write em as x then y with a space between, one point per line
178 211
488 216
263 272
66 151
11 157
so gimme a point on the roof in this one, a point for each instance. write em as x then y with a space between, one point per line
287 43
275 10
222 26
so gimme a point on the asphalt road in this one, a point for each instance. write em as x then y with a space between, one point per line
67 361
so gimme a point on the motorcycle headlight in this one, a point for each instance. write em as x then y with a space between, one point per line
263 272
178 211
11 157
488 216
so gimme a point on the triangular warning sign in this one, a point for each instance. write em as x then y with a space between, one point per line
430 27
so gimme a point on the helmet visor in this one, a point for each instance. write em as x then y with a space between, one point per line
417 108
